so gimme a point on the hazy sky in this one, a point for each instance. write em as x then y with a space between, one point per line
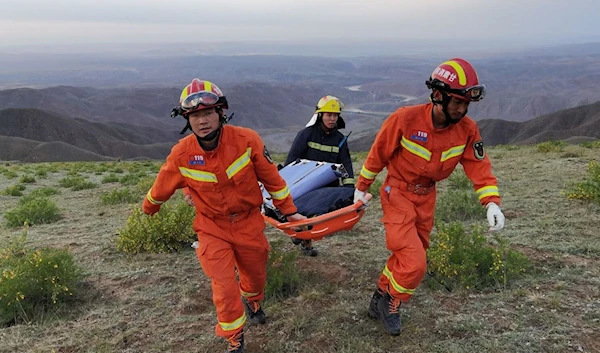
50 22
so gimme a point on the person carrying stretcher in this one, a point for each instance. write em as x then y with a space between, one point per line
321 141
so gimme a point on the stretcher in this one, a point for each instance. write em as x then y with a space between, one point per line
303 176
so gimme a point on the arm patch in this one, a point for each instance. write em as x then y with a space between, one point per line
478 150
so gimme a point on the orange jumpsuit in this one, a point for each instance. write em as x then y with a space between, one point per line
416 156
224 186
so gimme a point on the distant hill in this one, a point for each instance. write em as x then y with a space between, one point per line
568 124
19 149
276 91
36 136
33 134
145 107
520 85
59 151
15 148
575 124
256 105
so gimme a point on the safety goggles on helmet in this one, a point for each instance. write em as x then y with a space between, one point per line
194 100
473 93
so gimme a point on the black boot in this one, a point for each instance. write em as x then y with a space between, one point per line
374 300
235 343
296 241
307 248
255 313
388 314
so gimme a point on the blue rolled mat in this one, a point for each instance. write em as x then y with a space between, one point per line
303 176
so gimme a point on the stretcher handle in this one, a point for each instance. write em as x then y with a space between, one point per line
316 220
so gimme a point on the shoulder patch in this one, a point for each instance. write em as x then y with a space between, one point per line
267 155
478 150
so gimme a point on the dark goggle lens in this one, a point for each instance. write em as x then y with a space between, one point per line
475 93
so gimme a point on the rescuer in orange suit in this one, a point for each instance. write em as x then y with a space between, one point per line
221 166
421 145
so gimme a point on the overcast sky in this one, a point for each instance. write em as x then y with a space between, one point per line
33 22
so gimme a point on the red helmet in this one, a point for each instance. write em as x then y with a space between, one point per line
458 78
200 95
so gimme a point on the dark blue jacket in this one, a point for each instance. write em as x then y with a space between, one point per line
317 145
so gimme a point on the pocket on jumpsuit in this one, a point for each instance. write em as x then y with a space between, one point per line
201 253
258 228
395 219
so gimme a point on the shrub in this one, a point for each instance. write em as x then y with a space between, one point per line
118 196
53 168
572 154
33 282
129 179
358 156
589 189
283 278
76 183
507 147
43 191
84 186
102 168
15 190
37 194
9 174
145 183
458 258
551 146
32 210
459 205
153 167
26 179
41 173
111 178
169 230
70 181
591 144
458 180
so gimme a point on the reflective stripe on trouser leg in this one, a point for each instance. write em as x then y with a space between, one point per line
217 259
251 255
408 219
252 268
406 266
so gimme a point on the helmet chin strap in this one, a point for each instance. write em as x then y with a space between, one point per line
444 102
210 136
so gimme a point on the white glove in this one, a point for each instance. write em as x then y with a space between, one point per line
360 196
494 216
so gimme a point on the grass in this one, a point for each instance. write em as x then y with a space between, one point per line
32 210
162 302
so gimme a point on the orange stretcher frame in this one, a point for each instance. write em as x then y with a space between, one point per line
317 228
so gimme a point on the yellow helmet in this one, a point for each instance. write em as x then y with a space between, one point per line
329 104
